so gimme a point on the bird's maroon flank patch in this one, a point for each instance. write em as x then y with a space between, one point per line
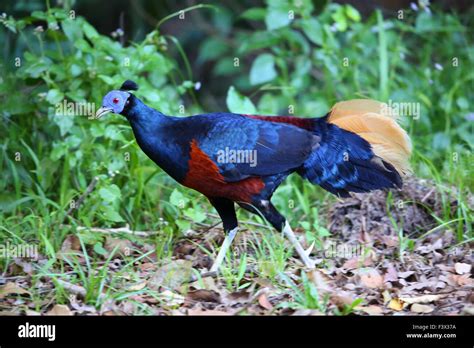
204 176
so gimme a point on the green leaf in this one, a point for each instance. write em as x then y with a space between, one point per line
263 69
178 199
426 22
113 132
305 225
313 30
268 104
254 14
110 194
72 29
99 249
107 79
195 214
64 123
441 141
36 67
277 17
54 96
75 70
211 49
322 231
352 13
259 40
462 103
238 103
111 214
39 15
183 225
224 67
90 31
340 19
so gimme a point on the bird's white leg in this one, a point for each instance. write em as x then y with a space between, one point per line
223 251
299 249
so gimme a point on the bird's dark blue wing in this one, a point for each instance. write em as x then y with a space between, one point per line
243 147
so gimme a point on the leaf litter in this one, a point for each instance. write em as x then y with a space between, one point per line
378 274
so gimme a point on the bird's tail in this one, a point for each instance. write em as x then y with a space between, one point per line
362 148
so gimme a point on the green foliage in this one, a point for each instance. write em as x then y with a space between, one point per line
238 103
55 148
233 274
263 69
306 296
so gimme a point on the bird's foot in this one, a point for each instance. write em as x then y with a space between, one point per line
223 251
310 249
303 254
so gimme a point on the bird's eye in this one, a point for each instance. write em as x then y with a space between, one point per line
115 100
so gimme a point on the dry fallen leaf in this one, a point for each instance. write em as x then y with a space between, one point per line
461 280
184 248
24 266
341 298
60 310
206 283
122 246
371 278
421 308
171 275
386 296
462 268
263 301
371 310
390 241
320 280
202 295
12 288
128 307
71 243
356 262
32 313
169 298
236 297
421 299
469 310
137 286
396 304
82 308
147 266
405 274
15 312
391 275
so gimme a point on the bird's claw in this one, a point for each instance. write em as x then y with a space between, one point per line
310 249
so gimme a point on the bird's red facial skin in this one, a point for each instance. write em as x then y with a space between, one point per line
203 176
305 123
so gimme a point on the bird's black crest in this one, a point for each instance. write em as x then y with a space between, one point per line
129 85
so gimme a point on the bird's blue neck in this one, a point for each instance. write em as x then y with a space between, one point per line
154 134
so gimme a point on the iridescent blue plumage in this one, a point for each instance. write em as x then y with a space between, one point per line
190 148
205 152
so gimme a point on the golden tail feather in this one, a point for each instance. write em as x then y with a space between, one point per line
376 123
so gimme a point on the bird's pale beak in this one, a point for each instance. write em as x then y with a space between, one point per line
102 111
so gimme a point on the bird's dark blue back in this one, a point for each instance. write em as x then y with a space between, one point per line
277 149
